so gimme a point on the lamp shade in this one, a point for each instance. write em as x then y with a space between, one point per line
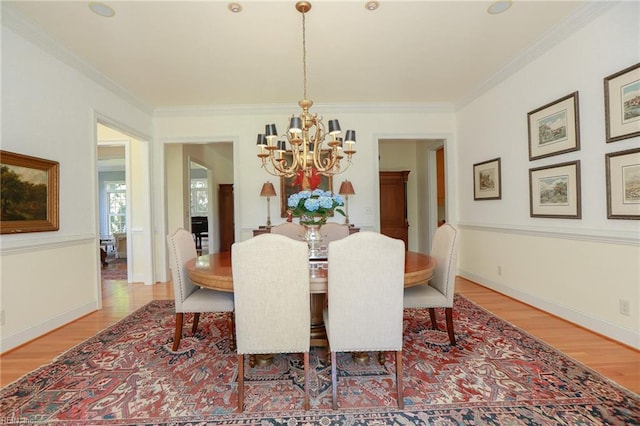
351 136
270 131
267 190
295 125
334 127
262 140
346 188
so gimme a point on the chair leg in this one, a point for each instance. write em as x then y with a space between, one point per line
432 315
232 327
449 315
240 383
334 381
178 333
399 379
306 381
196 319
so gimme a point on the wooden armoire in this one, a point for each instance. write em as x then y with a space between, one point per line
393 205
225 216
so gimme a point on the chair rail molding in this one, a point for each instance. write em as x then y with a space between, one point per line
591 235
18 246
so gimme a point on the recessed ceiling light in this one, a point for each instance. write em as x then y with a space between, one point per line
101 9
235 7
499 6
372 5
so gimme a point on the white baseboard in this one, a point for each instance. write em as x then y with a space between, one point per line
612 331
12 341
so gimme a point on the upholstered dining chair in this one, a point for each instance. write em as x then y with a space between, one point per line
332 231
364 312
272 299
188 296
290 229
438 293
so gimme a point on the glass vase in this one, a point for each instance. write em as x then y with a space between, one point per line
314 239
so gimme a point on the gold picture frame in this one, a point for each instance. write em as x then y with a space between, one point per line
29 189
288 186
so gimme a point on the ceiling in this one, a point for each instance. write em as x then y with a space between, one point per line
199 53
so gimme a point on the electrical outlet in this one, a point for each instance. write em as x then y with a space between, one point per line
499 270
625 309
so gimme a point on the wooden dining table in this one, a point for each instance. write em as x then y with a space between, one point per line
214 271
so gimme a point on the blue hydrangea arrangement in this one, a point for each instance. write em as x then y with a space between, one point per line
313 207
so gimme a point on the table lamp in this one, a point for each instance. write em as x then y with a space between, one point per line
268 191
346 189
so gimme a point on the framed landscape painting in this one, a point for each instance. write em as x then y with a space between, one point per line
29 187
554 191
623 184
487 181
554 128
622 104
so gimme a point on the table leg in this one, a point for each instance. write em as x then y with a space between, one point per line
318 332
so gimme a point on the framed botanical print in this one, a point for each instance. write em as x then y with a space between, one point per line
623 184
554 128
29 188
486 180
554 191
622 104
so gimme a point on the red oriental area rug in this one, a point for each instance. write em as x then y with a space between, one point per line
496 375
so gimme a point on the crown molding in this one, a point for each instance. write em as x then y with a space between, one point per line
15 21
585 14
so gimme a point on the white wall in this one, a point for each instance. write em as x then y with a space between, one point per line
575 268
49 110
241 125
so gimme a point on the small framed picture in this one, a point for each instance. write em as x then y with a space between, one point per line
555 191
29 194
486 180
554 128
622 104
623 184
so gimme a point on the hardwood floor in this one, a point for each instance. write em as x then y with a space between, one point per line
613 360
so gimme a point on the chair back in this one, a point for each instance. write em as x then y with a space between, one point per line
365 293
444 250
332 231
182 248
271 291
291 230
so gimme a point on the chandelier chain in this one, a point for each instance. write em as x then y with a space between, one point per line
304 55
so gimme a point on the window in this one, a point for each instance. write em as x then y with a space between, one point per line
199 197
116 206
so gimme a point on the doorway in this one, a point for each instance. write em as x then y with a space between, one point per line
419 157
182 160
113 201
137 241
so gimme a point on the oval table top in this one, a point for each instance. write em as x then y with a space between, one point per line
214 271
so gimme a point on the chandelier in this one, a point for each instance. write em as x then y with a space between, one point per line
309 153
